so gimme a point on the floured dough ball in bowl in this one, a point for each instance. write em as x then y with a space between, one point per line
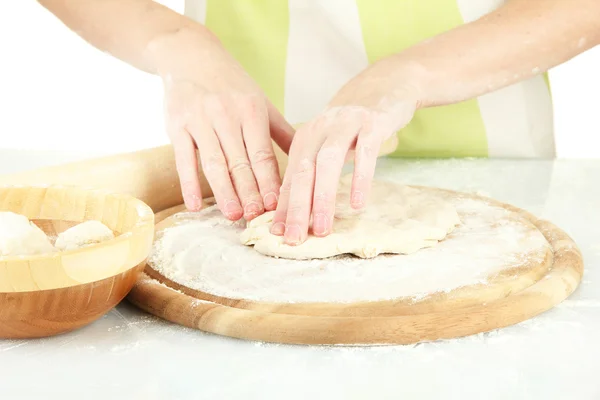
20 237
84 234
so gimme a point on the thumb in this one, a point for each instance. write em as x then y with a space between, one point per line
281 131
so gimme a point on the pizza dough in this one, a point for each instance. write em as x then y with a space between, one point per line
20 237
84 234
397 219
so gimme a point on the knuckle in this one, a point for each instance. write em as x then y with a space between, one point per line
240 165
359 178
185 159
323 197
188 186
294 212
263 157
180 110
286 187
320 123
360 114
305 166
217 105
252 105
175 134
172 113
304 172
329 154
364 151
175 120
368 134
213 165
280 215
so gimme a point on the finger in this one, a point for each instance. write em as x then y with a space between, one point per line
215 170
302 189
186 162
229 132
300 202
281 131
259 148
365 160
330 162
278 226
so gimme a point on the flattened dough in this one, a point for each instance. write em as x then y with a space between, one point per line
398 219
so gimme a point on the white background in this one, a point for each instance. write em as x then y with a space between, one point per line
59 93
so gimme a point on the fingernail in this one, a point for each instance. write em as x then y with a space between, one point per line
320 224
252 210
270 201
232 210
357 199
278 228
292 235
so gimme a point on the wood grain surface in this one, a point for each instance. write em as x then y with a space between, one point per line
148 175
464 311
151 176
47 294
44 313
56 208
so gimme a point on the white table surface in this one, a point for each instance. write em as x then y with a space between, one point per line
130 355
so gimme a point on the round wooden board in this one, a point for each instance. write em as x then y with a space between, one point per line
508 298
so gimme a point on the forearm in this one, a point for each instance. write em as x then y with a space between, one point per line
139 32
519 40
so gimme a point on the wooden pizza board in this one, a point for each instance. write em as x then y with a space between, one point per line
508 298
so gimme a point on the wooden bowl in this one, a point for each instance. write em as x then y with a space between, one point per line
49 294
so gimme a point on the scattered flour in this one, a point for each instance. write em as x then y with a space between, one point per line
202 251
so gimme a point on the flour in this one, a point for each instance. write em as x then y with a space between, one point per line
202 251
194 303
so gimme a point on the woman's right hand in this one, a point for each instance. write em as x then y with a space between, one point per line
214 106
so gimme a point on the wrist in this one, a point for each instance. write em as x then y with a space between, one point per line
179 53
407 79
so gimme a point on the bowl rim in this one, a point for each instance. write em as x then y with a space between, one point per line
144 212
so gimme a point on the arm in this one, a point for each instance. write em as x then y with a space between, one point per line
519 40
224 124
131 30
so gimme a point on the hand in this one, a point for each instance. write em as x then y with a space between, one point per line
365 112
213 106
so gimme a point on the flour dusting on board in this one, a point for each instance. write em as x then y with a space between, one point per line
202 251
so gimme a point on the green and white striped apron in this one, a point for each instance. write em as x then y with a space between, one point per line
302 51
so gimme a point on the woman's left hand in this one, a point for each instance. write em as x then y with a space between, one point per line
364 113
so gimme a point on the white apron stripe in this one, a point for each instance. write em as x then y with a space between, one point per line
196 10
325 50
538 103
518 118
475 9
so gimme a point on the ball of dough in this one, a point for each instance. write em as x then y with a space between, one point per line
84 234
20 237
